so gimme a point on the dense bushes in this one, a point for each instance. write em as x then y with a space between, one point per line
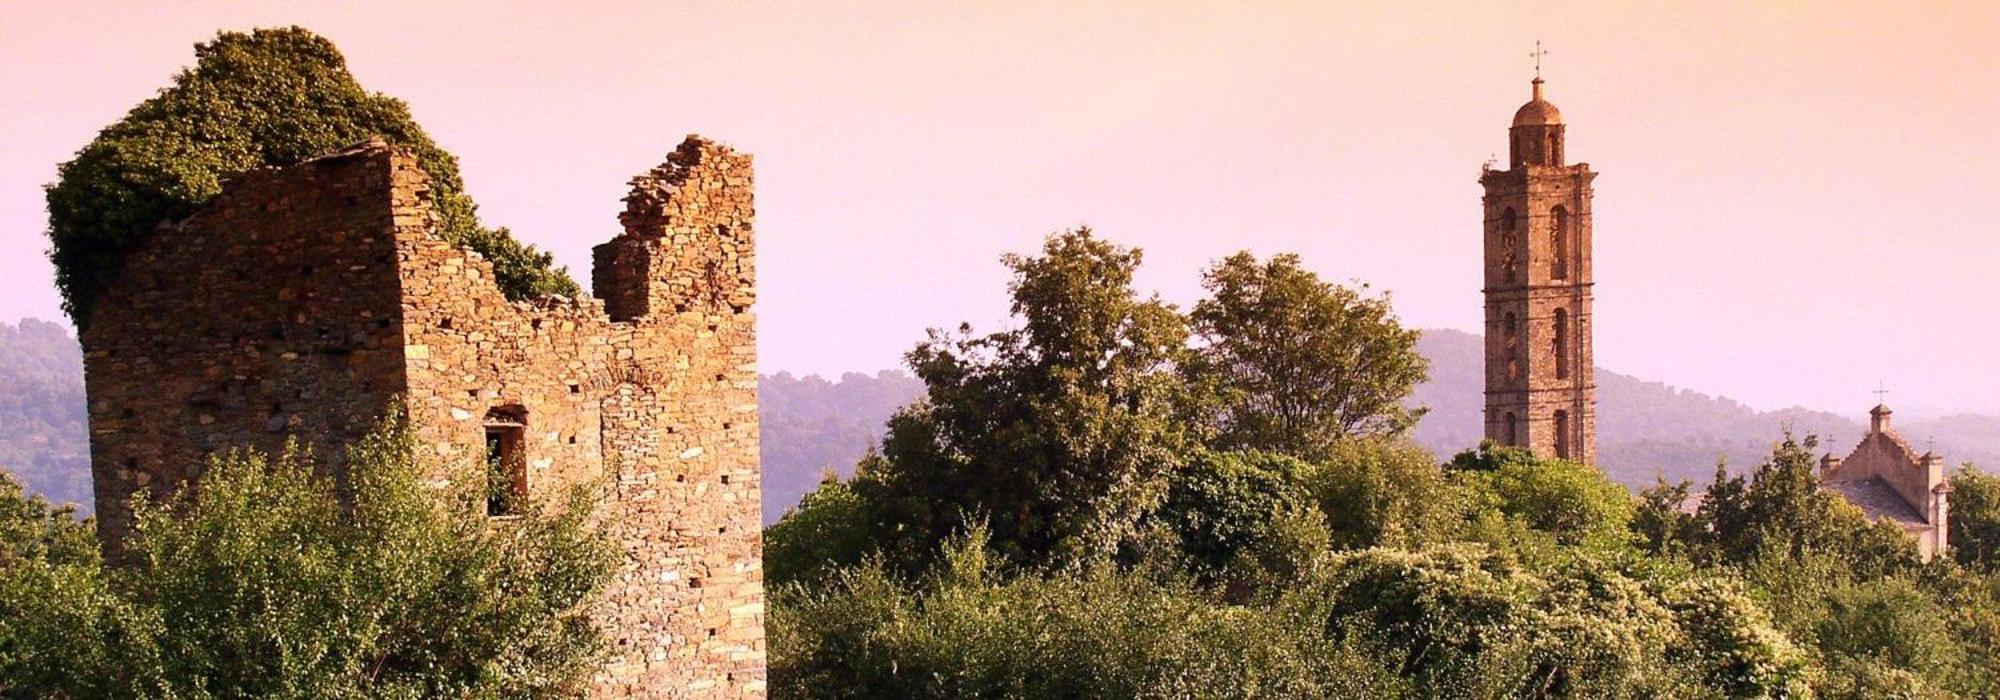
272 97
1136 551
266 585
966 630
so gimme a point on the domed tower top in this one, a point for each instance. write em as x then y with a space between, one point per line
1537 135
1538 111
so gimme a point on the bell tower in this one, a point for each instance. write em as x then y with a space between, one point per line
1541 392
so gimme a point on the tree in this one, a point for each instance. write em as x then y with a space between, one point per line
1662 524
828 530
1244 516
32 529
1572 501
1298 363
1781 511
1380 493
1975 518
267 580
1890 620
1058 433
272 97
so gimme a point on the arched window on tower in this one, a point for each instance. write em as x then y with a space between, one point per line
1511 340
1510 245
1561 343
1555 154
1559 243
1562 434
1513 430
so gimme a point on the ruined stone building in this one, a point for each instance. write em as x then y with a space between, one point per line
1891 482
308 301
1540 385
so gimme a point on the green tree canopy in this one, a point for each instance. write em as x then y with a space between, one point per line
1243 515
1975 518
1058 433
32 529
1298 364
1781 511
272 97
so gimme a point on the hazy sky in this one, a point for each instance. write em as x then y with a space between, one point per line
1797 200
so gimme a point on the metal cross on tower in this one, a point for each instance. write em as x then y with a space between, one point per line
1881 395
1537 55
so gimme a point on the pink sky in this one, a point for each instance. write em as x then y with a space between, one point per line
1797 200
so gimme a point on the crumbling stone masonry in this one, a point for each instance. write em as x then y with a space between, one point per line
301 302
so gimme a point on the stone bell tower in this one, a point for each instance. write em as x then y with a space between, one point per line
1541 392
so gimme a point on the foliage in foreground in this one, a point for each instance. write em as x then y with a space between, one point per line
272 97
265 585
1342 565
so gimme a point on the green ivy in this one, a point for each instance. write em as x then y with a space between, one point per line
272 97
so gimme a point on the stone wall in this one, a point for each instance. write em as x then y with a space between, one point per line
681 427
269 315
303 300
1525 296
1888 480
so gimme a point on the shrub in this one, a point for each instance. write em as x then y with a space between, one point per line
965 631
272 97
259 582
1382 493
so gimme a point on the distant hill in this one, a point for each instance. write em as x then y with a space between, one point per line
812 425
44 438
1649 428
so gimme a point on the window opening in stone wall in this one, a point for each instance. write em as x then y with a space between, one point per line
1509 245
1559 243
1562 343
1510 339
1562 434
506 462
1555 148
1513 430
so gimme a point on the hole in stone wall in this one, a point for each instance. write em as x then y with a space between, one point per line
1562 434
680 478
506 461
535 324
445 323
725 478
575 389
306 271
127 413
